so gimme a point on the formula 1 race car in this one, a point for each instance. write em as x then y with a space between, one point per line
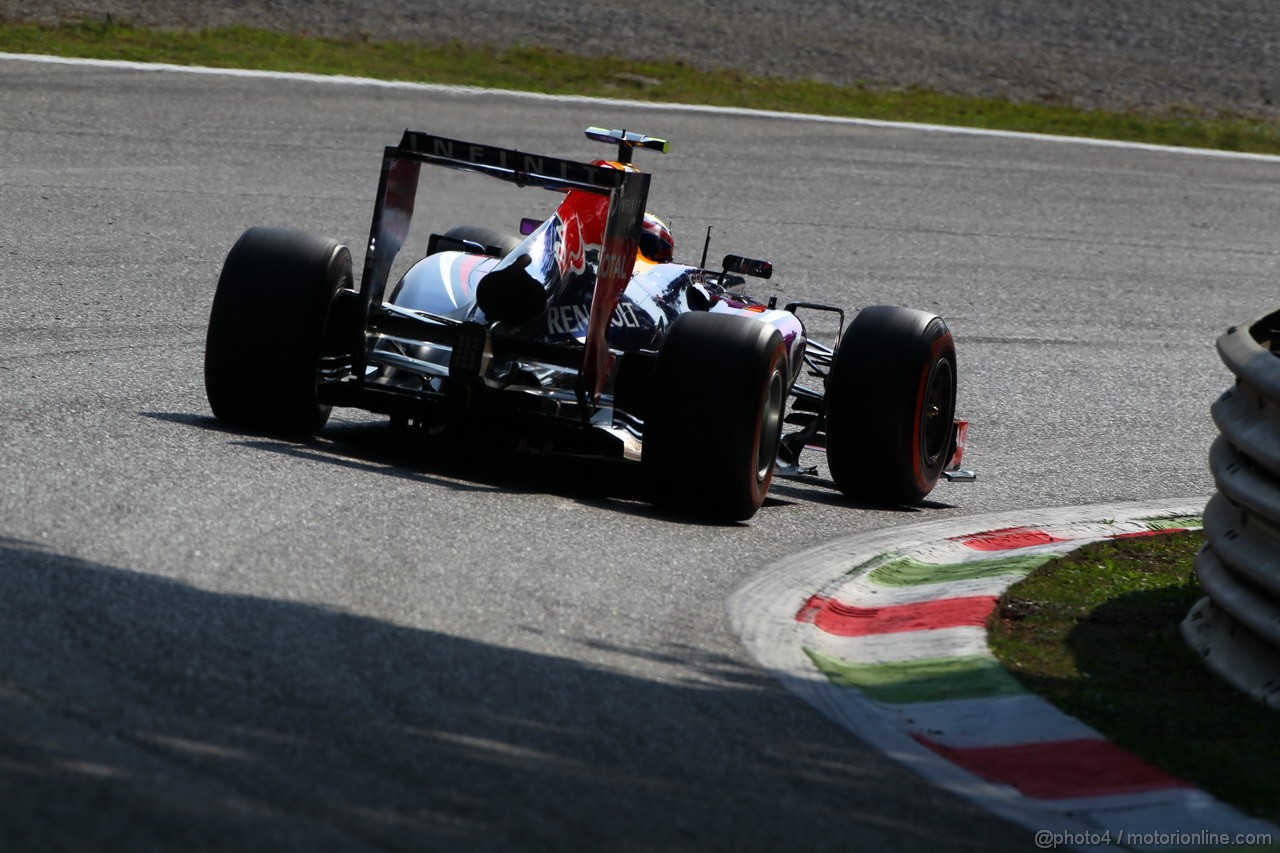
582 336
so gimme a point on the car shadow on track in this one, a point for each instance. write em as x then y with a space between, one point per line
465 465
141 712
476 464
823 491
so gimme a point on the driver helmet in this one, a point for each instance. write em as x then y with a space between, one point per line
656 242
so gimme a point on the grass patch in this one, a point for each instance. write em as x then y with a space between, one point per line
1096 633
544 70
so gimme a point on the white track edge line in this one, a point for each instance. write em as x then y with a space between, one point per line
441 88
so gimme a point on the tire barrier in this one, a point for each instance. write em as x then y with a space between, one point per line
1236 627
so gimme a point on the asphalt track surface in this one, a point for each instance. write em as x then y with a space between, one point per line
211 639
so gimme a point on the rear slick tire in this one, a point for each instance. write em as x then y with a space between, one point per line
891 398
268 329
712 433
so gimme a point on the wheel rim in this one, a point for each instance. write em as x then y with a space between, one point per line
770 427
935 426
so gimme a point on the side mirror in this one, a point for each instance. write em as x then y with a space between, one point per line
528 225
747 266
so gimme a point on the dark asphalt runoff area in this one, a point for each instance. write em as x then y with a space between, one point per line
215 640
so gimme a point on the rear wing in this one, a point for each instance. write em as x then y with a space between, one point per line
628 192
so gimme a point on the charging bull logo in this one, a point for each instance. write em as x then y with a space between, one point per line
571 254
